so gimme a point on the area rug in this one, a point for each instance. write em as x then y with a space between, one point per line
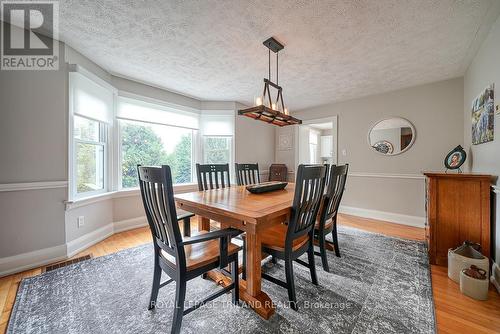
379 285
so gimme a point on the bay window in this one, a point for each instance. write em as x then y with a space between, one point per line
111 133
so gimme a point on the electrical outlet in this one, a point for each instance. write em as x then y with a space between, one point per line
81 221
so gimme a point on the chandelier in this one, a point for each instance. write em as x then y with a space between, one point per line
265 109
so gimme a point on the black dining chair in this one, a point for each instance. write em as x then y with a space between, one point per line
182 259
289 242
213 176
327 218
247 174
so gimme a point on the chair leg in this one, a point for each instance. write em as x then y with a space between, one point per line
244 273
312 265
156 282
180 295
234 278
290 283
322 250
335 239
187 226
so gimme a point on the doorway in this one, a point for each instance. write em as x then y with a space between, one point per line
317 141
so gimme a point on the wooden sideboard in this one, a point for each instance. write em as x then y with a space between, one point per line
458 209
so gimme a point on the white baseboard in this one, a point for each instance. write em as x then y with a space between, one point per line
129 224
385 216
495 276
85 241
25 261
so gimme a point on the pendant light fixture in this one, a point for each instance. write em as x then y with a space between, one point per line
265 109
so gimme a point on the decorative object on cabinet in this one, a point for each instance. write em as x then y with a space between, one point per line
458 209
483 116
278 172
474 283
455 159
391 136
463 257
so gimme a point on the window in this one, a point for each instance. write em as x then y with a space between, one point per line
155 145
154 134
89 148
217 150
91 114
217 128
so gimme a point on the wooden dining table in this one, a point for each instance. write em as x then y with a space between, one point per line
252 213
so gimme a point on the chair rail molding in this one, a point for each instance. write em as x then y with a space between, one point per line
33 185
388 175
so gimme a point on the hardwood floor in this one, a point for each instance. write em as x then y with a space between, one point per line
455 312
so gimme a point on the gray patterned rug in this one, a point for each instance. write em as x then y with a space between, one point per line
379 285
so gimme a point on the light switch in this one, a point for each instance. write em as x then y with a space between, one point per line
344 152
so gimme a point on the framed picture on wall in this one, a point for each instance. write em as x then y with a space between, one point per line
483 116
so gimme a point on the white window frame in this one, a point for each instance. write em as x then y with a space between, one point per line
231 152
104 142
109 165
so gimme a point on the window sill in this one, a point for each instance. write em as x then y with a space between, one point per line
81 202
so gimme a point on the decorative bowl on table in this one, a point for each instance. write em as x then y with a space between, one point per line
265 187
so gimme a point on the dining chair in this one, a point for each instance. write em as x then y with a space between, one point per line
289 242
327 218
212 176
247 174
182 259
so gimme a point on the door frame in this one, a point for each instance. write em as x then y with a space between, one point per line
334 120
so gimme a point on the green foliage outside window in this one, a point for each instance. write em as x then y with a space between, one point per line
217 150
141 145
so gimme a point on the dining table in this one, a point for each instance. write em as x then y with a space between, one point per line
253 214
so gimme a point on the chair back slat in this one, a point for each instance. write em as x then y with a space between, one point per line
158 200
216 174
334 191
309 189
247 174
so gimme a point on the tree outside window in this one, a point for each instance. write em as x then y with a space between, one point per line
155 145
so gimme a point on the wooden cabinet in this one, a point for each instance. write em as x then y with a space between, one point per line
458 209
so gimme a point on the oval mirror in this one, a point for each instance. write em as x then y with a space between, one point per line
391 136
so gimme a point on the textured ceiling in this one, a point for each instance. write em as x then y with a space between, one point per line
335 50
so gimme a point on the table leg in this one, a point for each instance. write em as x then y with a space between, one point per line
203 224
250 290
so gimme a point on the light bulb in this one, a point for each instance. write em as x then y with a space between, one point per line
286 111
273 106
258 101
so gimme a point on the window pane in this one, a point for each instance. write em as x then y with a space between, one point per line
155 145
86 129
89 167
217 150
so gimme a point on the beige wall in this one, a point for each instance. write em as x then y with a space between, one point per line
33 147
376 182
254 142
485 158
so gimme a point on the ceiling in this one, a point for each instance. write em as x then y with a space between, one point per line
334 50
